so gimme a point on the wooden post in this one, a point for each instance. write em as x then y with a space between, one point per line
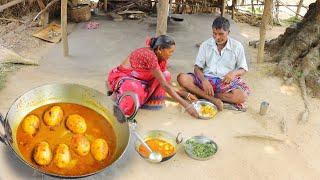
64 24
264 23
223 7
299 8
162 17
105 6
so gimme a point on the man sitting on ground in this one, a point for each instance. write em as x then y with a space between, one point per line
219 65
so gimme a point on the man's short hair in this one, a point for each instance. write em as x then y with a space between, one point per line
221 23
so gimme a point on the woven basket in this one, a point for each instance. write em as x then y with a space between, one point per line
81 13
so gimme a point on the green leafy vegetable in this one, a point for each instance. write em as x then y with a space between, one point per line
201 150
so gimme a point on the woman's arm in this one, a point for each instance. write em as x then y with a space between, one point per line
185 94
171 91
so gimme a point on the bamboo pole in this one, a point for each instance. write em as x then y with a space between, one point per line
9 4
264 23
162 17
289 8
223 7
64 24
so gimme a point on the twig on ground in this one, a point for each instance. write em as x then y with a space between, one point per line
45 9
13 20
270 137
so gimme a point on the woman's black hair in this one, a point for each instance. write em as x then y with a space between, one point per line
162 42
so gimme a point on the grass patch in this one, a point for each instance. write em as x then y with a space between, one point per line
291 20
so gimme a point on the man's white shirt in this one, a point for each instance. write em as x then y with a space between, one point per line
213 64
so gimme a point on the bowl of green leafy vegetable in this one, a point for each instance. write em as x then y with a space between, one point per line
200 147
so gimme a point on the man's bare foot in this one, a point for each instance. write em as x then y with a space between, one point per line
218 103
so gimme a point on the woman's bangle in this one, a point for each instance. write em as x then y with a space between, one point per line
188 96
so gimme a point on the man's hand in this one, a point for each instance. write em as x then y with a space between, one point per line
207 87
191 97
229 77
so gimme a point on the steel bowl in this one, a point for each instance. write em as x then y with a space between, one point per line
162 135
202 140
201 102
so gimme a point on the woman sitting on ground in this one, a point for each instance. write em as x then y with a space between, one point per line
145 73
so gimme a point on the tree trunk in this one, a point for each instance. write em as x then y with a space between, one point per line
162 17
264 23
298 50
299 8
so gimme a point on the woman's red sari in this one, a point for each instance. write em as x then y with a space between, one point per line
139 79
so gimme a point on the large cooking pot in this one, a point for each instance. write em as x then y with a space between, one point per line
66 93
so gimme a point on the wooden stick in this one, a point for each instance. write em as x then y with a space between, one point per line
14 20
270 137
290 9
64 24
45 9
44 17
9 4
279 5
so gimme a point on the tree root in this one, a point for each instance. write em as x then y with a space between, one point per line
305 114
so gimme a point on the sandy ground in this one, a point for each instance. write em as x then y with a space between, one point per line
95 52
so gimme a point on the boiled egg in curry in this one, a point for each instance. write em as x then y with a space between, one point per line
30 124
80 144
76 124
99 149
42 153
62 156
53 116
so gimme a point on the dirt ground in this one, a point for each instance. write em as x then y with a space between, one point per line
95 52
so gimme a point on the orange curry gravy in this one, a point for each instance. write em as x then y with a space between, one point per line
157 145
97 127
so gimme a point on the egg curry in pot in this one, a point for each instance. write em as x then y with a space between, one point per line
66 139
